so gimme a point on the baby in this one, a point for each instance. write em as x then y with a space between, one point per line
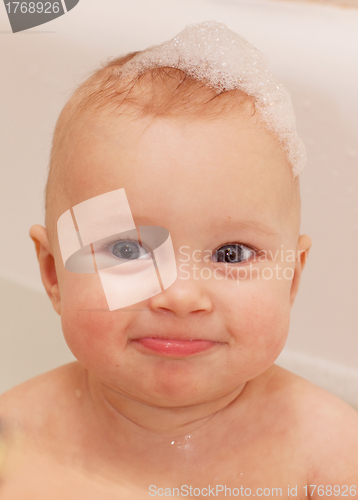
173 254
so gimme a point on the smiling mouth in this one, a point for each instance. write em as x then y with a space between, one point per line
173 347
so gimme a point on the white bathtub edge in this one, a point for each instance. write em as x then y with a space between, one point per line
336 378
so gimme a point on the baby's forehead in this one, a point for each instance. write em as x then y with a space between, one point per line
86 130
107 145
182 167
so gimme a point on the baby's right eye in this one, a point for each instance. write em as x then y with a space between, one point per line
127 250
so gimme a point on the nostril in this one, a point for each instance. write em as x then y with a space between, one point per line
182 300
165 310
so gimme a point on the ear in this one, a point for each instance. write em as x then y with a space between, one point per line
46 260
303 247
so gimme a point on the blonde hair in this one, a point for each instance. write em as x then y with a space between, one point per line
156 92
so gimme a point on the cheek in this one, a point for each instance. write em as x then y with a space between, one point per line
92 332
267 319
258 319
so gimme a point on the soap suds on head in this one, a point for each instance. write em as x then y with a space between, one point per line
205 71
211 53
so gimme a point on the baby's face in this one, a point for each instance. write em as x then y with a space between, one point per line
225 192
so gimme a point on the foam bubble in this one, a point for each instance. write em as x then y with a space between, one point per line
212 53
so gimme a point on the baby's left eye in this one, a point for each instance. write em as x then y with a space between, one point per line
233 253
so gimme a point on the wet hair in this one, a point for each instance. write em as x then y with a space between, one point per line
157 92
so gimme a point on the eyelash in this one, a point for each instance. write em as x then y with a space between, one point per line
239 244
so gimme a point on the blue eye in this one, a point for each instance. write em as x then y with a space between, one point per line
233 253
127 250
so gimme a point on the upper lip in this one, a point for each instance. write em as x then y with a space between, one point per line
174 336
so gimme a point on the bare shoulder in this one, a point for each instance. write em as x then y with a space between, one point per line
33 416
28 402
326 427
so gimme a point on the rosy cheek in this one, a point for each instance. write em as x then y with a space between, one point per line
260 320
90 329
82 291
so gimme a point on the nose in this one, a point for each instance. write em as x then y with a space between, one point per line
182 298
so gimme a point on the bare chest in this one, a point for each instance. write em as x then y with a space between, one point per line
222 473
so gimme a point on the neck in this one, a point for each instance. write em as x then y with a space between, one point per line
124 415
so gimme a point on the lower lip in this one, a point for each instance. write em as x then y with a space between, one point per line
175 347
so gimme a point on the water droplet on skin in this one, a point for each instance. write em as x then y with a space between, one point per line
172 442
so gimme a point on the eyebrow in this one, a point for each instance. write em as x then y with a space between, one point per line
251 224
247 224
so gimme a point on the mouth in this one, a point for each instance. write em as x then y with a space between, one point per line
173 347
